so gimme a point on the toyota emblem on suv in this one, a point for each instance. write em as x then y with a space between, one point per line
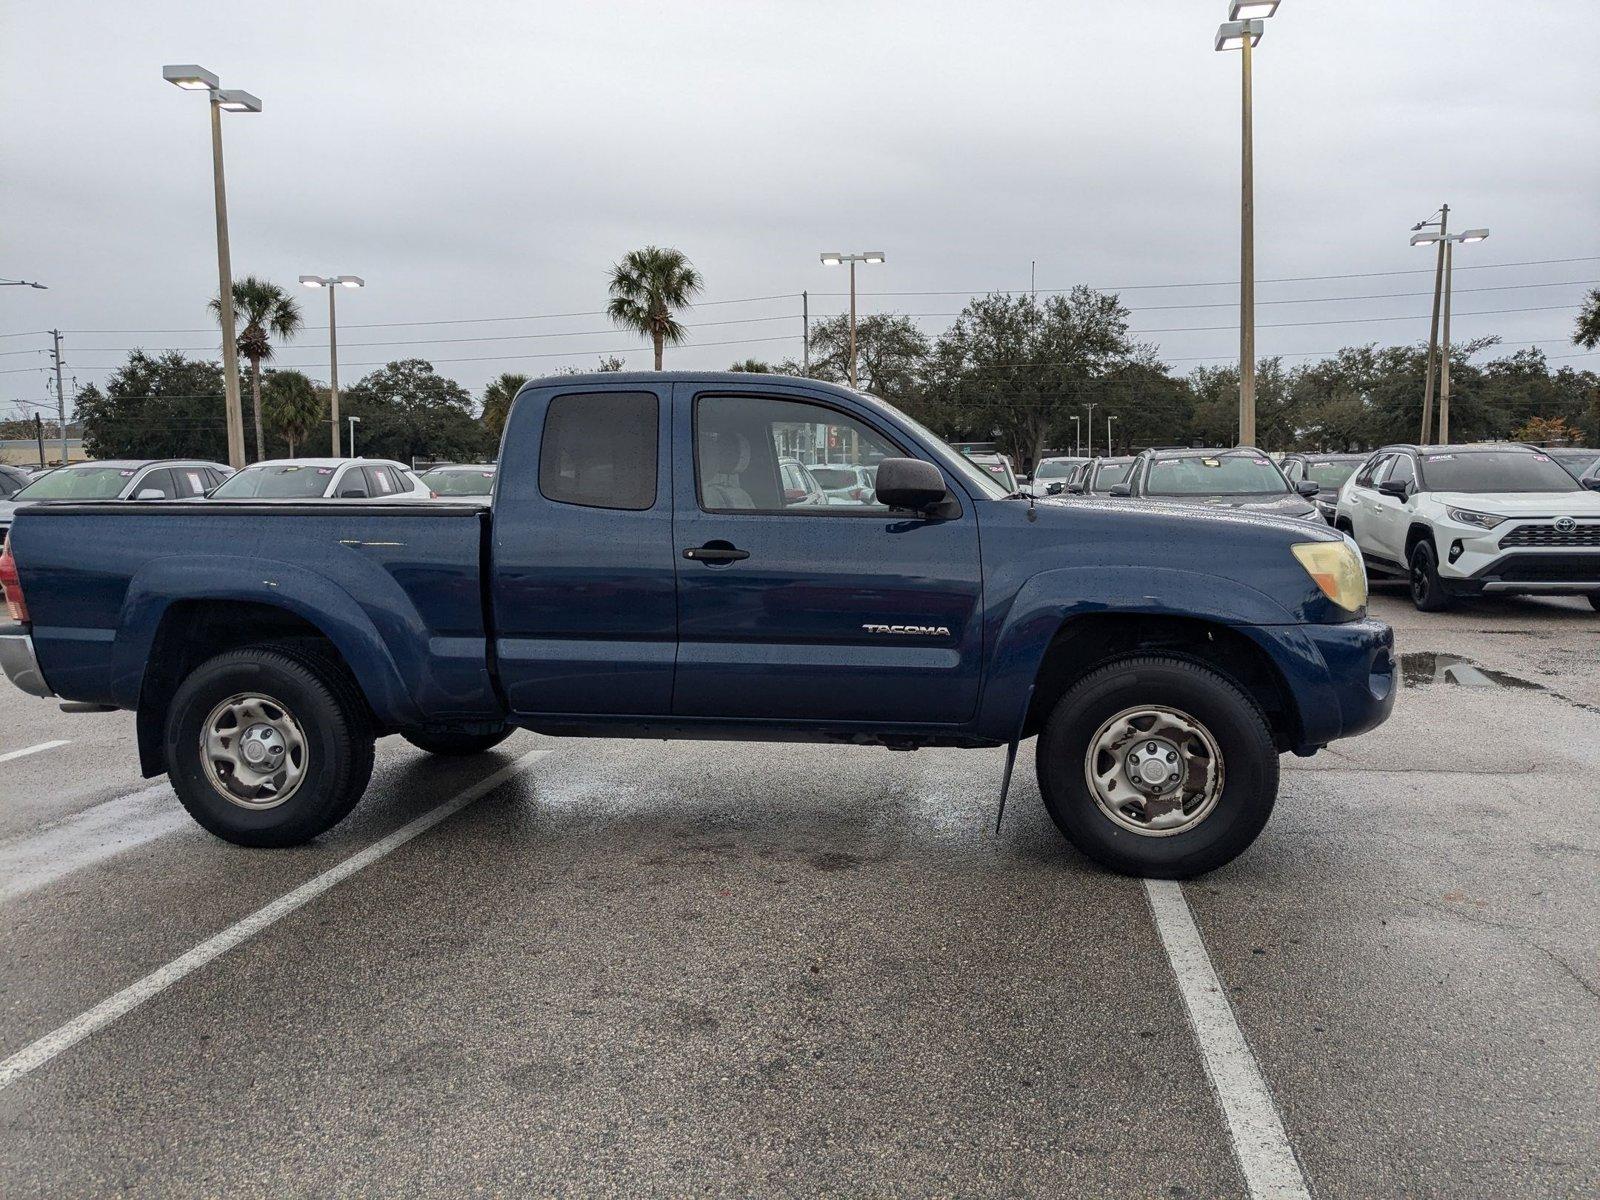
1566 525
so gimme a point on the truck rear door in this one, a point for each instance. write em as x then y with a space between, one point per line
583 598
798 611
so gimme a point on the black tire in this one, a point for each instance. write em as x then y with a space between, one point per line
1249 761
456 744
320 697
1427 593
1594 601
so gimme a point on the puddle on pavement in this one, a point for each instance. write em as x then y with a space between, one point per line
1422 668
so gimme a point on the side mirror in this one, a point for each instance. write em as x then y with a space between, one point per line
149 494
1308 487
353 494
1398 488
1055 489
1075 489
1592 484
910 483
1120 490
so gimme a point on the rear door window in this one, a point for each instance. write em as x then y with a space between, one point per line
599 450
380 482
190 481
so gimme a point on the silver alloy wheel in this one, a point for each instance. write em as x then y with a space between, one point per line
254 751
1154 771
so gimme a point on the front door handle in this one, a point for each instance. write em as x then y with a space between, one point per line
715 552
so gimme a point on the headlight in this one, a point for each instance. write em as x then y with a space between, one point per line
1466 516
1337 569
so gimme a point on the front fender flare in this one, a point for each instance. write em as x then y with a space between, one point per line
1021 634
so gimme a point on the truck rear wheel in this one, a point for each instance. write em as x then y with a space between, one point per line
1158 767
456 744
268 745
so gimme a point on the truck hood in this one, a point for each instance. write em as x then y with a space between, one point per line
1524 504
1300 520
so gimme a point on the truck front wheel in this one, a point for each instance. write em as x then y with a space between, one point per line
455 743
269 745
1158 767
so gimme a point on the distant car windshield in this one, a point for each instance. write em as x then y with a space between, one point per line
834 477
281 481
1495 471
1054 470
459 483
1579 462
11 483
1330 474
1215 475
79 483
1107 475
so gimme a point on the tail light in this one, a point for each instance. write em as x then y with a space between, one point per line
11 585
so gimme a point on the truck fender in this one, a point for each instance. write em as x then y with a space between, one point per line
305 594
1022 633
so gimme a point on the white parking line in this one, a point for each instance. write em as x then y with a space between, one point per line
27 750
33 1056
1260 1142
87 837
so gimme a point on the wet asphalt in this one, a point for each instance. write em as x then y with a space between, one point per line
645 968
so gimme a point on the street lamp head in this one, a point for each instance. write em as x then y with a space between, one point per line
1244 10
350 281
872 256
237 101
832 258
314 281
1474 235
1424 239
190 77
1231 35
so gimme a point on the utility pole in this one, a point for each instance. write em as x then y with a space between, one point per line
1433 328
1247 264
805 331
61 395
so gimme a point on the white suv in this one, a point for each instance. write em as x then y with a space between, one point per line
1474 520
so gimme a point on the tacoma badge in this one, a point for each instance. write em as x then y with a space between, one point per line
922 630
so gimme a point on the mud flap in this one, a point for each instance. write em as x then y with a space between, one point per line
1011 760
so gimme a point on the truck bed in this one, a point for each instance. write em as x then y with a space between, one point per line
399 587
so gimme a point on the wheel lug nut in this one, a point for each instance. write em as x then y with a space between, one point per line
1171 757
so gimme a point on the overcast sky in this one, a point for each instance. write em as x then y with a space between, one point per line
477 160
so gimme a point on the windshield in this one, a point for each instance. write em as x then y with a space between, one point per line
280 482
1215 475
79 483
460 483
975 476
1579 462
10 483
1108 474
1495 471
1054 470
1331 474
834 477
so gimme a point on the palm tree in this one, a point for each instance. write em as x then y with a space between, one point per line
497 397
646 286
261 310
294 407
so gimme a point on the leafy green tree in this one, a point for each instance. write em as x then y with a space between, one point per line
294 407
408 410
163 406
891 354
1587 333
261 311
647 288
497 397
1019 368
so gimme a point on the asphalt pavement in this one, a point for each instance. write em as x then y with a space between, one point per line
646 968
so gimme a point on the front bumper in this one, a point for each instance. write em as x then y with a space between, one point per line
1341 678
21 665
1520 555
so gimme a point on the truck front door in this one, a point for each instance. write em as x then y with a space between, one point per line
797 611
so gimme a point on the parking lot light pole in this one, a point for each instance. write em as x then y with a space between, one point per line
1077 436
1442 220
333 283
192 78
832 258
1109 418
1242 31
1091 430
354 421
1447 246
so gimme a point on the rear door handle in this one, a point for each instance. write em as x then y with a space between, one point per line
715 553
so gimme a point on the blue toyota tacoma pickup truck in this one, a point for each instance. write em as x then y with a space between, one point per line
650 568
